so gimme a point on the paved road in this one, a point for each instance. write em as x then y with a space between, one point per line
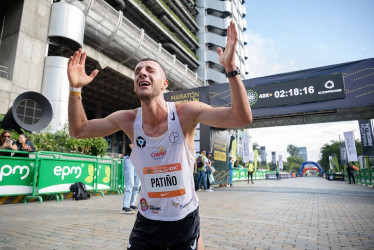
301 213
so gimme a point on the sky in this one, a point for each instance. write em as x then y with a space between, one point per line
291 35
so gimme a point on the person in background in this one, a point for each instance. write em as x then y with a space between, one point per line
231 170
277 173
23 144
7 143
351 176
202 170
209 171
132 182
236 164
250 171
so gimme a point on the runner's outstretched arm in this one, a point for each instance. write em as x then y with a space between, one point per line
79 126
239 114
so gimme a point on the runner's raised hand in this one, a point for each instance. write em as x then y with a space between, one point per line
227 58
76 71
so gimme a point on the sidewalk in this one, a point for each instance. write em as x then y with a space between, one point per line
301 213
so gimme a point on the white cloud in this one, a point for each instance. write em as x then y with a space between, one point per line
263 59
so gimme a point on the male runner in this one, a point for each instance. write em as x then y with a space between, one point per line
168 215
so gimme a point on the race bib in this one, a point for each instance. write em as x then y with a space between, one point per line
164 181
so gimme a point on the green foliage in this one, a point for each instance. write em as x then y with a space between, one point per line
293 163
167 29
62 142
292 150
334 149
177 18
1 119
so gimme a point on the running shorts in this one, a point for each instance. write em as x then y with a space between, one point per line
155 234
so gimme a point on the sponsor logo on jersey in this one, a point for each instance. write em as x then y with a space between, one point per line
143 204
141 142
174 137
159 154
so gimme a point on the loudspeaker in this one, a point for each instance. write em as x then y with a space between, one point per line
31 111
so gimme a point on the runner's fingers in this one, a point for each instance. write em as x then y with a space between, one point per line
77 56
83 59
70 62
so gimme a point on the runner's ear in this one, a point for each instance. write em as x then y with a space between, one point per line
165 84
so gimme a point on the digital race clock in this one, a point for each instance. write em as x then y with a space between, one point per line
306 90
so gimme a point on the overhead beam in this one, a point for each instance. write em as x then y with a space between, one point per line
361 113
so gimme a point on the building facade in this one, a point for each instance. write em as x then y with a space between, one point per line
303 153
213 19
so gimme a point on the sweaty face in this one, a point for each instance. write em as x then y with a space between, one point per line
150 80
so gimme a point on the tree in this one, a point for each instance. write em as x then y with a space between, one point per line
334 149
293 163
292 150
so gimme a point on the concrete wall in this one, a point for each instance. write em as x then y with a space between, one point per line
23 49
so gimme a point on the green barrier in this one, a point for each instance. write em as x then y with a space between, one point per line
243 174
52 173
235 175
364 176
117 182
16 175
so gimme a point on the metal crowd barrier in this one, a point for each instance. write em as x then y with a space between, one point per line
241 174
52 173
364 176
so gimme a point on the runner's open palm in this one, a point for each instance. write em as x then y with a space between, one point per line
76 71
227 58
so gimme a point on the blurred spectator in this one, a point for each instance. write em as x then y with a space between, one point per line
23 144
7 143
351 176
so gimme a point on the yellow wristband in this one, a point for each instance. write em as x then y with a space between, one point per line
75 93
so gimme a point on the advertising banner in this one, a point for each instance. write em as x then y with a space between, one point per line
280 162
350 146
343 154
255 159
243 174
273 158
233 145
247 150
220 145
367 139
104 169
243 150
331 163
56 175
16 176
263 155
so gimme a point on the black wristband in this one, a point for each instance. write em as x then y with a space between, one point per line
233 73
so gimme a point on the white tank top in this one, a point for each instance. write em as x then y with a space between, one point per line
165 167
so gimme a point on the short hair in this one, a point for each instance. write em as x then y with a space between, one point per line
153 60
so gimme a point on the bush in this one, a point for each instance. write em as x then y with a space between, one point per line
62 142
